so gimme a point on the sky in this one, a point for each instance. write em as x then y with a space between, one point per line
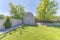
29 5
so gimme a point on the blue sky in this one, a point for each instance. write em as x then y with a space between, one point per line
29 5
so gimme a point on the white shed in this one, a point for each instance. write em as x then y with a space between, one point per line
29 19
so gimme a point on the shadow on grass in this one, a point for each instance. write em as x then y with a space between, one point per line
21 31
30 25
3 36
26 27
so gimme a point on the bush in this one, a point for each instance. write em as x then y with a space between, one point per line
7 24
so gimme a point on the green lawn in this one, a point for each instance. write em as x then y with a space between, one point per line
33 33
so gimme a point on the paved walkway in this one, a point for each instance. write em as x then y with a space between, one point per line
7 30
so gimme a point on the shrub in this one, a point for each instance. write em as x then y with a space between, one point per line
7 24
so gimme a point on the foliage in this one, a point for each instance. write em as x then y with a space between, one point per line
46 10
7 24
1 16
56 19
17 11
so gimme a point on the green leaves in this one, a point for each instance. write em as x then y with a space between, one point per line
17 11
46 9
7 24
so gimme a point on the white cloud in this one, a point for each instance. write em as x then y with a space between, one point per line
5 13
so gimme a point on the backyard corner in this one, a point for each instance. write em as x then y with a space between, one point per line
29 20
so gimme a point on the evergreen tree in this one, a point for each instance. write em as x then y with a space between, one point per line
7 24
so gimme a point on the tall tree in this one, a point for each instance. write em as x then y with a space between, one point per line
17 11
46 10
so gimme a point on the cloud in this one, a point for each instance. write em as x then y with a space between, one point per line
5 13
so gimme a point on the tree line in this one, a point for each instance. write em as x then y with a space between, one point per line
45 11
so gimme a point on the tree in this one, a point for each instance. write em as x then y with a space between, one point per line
46 10
7 24
17 11
1 16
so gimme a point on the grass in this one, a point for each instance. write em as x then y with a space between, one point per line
33 33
